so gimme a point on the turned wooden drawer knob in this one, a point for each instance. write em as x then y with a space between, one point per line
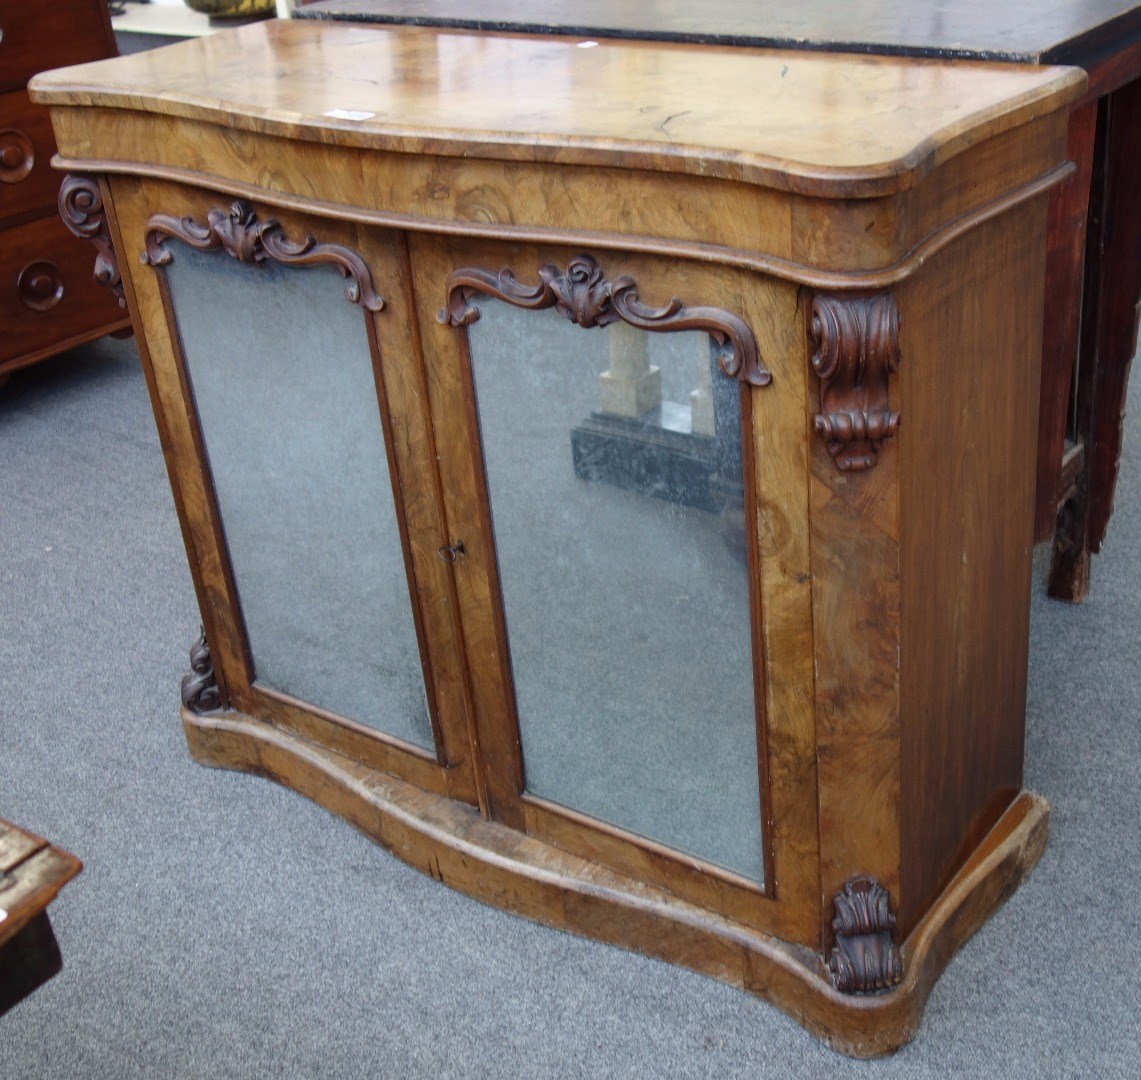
17 156
40 285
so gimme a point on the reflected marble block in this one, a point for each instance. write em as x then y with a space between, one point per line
649 455
684 453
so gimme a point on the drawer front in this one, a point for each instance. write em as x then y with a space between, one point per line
48 294
27 181
36 35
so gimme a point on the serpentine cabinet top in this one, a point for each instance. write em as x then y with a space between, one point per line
822 124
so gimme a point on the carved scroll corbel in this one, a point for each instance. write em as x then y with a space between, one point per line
582 294
200 690
857 351
81 207
865 957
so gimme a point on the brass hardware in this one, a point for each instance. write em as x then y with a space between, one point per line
449 553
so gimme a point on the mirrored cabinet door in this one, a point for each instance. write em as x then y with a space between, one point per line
621 569
308 430
623 574
292 433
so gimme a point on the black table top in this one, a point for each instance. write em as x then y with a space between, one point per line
1080 32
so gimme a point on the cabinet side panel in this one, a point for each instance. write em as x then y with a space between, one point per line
971 346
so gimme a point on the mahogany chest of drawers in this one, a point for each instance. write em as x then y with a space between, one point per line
49 300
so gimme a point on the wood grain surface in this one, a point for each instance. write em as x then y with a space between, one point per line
32 872
888 605
1120 267
30 187
48 301
833 244
968 391
82 311
1066 238
856 633
1108 338
37 36
850 125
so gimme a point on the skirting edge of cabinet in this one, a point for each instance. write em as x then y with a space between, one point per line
452 844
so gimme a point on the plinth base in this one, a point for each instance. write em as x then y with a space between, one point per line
451 843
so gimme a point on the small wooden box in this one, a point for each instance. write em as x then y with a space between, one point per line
32 872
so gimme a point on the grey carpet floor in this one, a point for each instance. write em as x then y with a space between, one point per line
224 927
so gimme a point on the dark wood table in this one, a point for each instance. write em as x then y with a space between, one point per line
1094 270
31 874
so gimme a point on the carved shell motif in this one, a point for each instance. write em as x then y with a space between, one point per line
583 294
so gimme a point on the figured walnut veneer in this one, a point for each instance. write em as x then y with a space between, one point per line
864 238
32 872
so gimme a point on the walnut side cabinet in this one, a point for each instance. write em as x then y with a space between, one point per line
607 473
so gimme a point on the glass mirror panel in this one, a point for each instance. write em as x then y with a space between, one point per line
281 375
614 468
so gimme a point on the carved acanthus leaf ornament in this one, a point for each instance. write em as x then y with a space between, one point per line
865 958
241 235
582 294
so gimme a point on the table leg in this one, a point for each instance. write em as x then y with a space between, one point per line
1066 242
1108 337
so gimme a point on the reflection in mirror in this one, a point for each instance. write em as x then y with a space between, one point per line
614 469
281 376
